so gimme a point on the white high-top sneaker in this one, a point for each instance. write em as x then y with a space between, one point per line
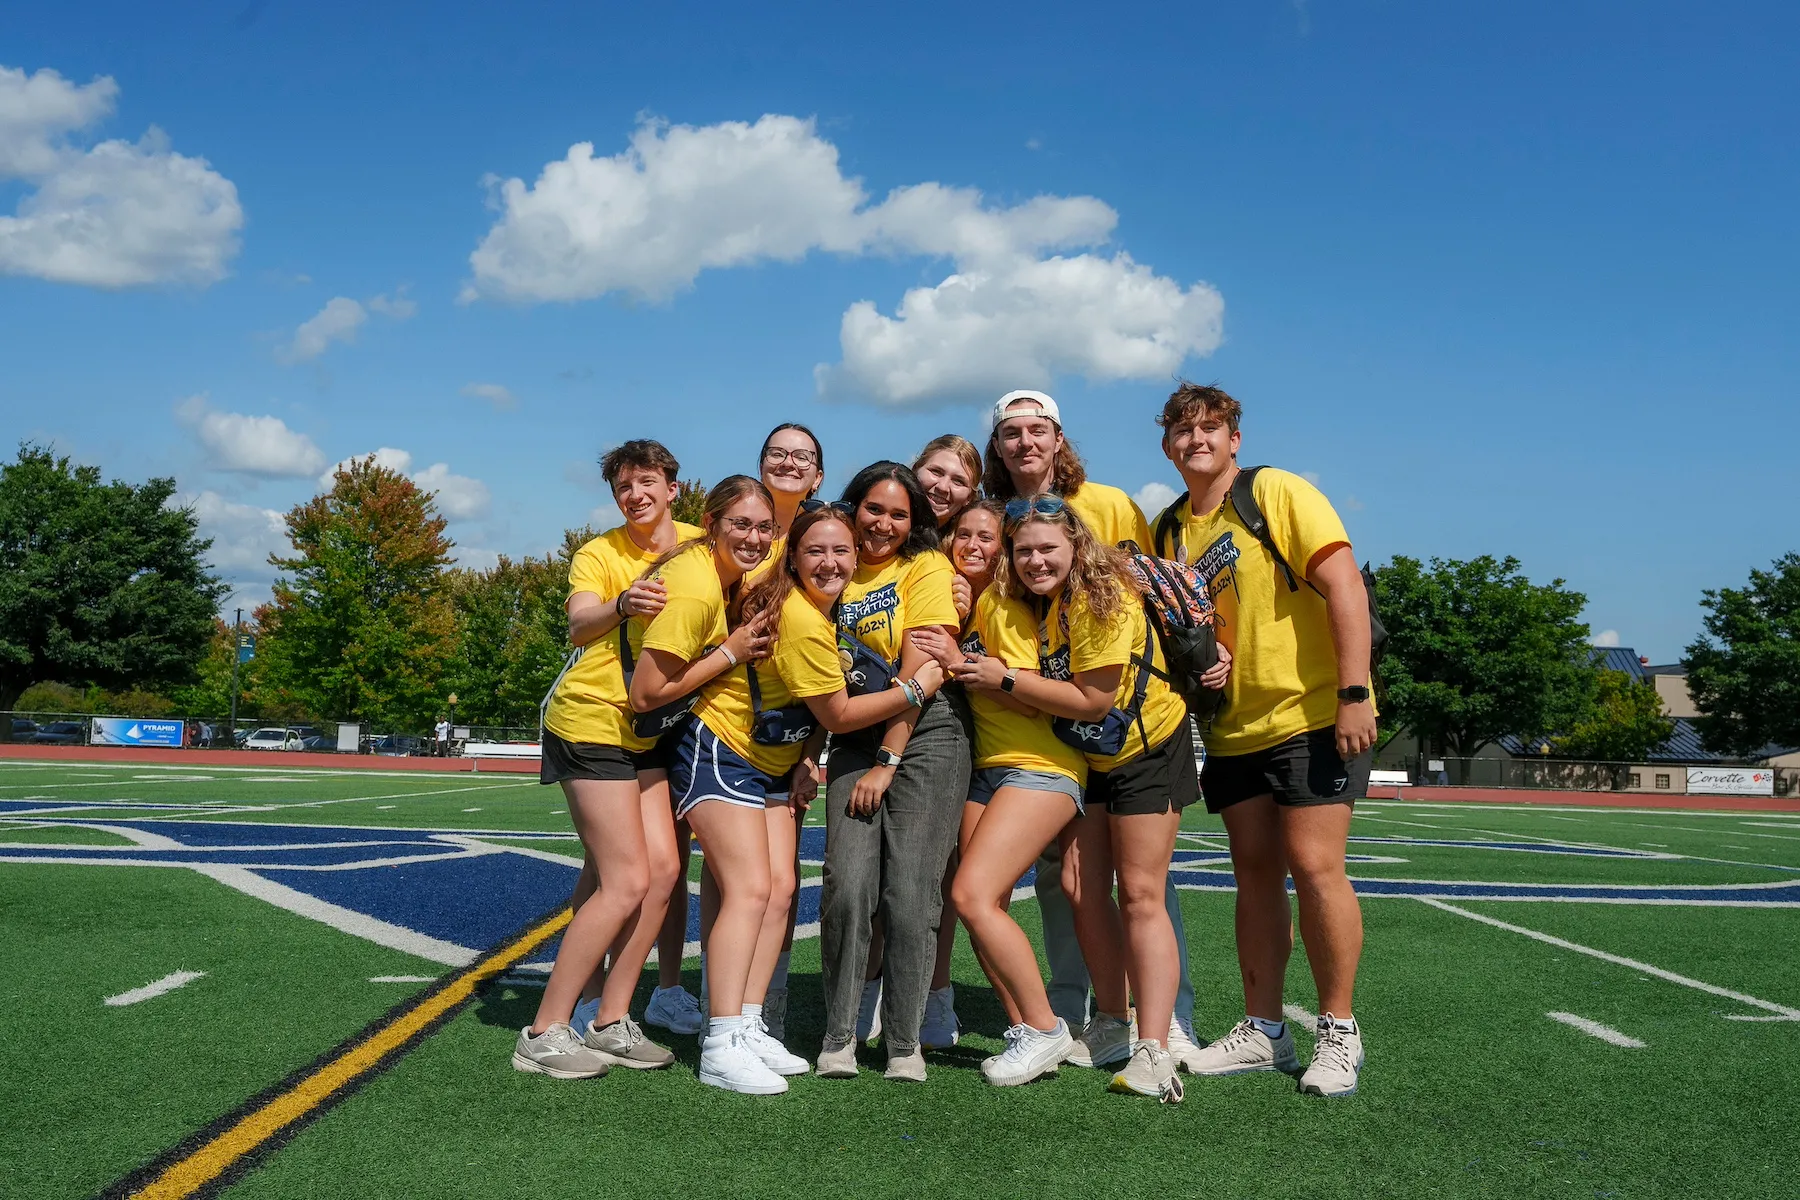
727 1062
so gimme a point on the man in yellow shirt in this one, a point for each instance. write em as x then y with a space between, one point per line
1289 752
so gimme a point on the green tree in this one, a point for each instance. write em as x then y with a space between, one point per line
512 637
100 583
1744 671
361 627
690 502
1476 651
1624 723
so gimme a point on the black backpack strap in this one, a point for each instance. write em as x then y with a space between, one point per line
1146 668
626 663
1243 498
1168 527
755 689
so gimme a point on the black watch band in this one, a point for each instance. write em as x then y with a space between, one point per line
1353 695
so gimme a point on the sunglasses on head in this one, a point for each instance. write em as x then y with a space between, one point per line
1047 505
838 506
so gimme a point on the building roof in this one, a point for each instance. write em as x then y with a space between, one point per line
1620 658
1666 669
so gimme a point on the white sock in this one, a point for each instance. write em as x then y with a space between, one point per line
1270 1029
779 982
752 1012
722 1026
1344 1024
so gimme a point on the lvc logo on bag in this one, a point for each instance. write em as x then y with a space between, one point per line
1087 733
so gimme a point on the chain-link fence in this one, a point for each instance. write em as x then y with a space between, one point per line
219 733
1576 776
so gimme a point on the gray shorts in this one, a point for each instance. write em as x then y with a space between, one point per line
988 780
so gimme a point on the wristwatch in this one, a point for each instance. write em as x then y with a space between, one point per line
1353 695
1011 677
886 758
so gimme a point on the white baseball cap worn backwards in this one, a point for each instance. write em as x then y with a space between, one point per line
1042 406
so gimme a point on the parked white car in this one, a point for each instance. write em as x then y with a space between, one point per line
273 739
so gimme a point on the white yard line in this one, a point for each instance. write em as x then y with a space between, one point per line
401 978
1782 1011
151 991
394 937
1301 1017
1605 1033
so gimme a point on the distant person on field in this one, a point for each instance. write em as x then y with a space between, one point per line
443 736
1289 752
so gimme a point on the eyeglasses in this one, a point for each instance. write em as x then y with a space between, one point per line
839 506
1047 505
800 458
745 525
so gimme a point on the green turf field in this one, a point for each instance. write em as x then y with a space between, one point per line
311 903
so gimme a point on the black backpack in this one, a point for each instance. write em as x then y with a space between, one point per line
1180 612
1243 499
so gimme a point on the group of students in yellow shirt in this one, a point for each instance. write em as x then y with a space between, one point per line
949 646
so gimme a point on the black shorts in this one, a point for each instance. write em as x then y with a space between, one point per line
1303 770
1161 779
595 760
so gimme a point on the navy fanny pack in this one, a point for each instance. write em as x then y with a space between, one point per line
1107 736
778 726
866 673
663 718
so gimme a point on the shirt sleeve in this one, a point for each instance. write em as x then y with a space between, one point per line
1140 528
806 656
1301 520
591 572
691 614
1010 634
928 600
1093 644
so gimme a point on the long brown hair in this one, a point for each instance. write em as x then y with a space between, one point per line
771 592
1098 573
725 493
1067 479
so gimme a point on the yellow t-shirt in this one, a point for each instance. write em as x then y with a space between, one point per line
1079 643
590 703
881 603
1005 629
1111 515
1283 659
693 620
805 663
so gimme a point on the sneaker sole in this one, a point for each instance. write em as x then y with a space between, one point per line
1111 1060
748 1089
521 1063
633 1064
803 1068
1294 1070
1315 1090
1047 1073
1123 1087
837 1072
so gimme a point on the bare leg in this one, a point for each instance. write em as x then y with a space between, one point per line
735 840
671 945
1087 880
970 819
1141 848
783 831
1017 825
1265 930
1330 917
609 818
635 940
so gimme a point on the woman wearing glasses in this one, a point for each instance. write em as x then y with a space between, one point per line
685 648
1097 676
892 810
792 464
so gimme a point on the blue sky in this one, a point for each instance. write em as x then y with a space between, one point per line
1514 281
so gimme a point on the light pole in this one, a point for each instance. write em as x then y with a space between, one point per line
237 656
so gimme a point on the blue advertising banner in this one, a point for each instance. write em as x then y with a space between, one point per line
125 731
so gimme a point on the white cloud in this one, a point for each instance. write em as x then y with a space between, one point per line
1606 638
496 394
474 558
339 321
386 456
243 535
458 496
606 516
117 214
1153 497
251 445
682 199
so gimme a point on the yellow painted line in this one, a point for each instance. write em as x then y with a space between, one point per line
215 1156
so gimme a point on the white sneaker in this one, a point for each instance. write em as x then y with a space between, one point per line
1029 1054
837 1062
1246 1048
674 1009
774 1015
726 1062
1150 1071
868 1015
940 1029
774 1055
1337 1061
1106 1042
1182 1045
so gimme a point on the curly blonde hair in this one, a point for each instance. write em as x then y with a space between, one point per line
1099 575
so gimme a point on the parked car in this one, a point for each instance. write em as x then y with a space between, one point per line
23 728
61 733
274 739
397 745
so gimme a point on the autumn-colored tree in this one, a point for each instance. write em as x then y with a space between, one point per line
362 626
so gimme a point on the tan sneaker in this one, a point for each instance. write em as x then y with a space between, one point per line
1149 1072
623 1044
1337 1061
1181 1045
1246 1048
1105 1042
909 1068
558 1053
837 1062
